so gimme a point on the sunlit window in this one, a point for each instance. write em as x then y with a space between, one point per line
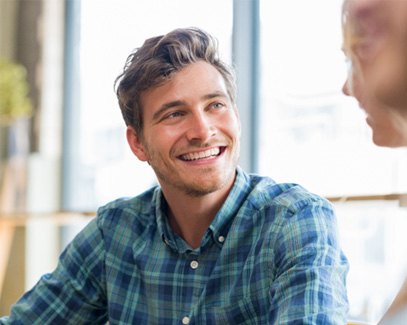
312 133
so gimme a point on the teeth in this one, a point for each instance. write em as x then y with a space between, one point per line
202 154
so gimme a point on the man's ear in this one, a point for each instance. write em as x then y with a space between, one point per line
135 144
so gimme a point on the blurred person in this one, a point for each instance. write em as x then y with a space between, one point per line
375 43
211 244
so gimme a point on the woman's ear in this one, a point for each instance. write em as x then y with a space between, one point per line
136 144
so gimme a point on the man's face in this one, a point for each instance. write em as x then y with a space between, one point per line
376 44
191 132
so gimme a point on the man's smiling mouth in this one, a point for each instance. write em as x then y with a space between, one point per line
205 154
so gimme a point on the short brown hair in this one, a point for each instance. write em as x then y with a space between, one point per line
157 60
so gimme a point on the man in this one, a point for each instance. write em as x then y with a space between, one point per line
209 245
375 41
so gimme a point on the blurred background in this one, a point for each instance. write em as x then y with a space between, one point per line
62 139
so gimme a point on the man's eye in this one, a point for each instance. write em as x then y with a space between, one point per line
173 115
217 105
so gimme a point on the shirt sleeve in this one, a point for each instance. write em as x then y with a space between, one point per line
74 293
310 269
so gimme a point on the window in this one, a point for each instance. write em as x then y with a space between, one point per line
312 133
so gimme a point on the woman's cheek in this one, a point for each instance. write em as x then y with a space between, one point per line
389 76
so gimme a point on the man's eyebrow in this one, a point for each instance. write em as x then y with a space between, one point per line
166 107
214 95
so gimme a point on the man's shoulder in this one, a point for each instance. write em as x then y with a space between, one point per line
129 209
268 193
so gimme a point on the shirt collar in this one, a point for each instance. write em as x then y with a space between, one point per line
224 218
164 229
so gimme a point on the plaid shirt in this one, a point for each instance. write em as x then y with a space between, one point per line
270 256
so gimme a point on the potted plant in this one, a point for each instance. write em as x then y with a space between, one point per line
15 109
14 100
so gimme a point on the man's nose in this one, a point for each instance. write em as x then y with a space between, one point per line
201 128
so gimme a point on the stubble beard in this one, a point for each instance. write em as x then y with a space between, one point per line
195 188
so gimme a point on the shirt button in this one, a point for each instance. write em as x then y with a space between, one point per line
194 265
221 239
185 320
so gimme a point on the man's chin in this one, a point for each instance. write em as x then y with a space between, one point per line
202 188
208 185
199 192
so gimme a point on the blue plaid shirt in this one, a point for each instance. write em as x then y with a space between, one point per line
270 256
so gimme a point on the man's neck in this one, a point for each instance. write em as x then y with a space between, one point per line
190 216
